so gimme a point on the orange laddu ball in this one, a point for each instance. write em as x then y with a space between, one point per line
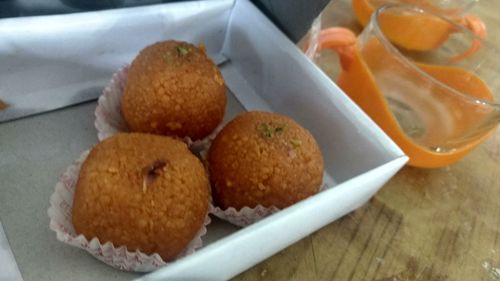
143 191
264 158
174 89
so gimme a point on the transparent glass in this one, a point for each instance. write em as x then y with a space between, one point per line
438 102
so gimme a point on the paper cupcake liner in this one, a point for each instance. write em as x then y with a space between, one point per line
109 120
61 203
244 217
108 115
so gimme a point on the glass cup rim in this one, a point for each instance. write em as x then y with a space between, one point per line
466 6
390 46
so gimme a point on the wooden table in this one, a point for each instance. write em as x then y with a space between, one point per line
438 224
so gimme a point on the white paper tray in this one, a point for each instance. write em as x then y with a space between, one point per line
265 71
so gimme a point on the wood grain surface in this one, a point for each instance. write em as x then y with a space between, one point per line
437 224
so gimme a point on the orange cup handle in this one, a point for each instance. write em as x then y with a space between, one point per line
476 26
339 39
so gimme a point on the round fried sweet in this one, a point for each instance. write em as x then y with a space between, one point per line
264 158
143 191
173 88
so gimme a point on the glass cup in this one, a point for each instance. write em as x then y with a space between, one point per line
453 9
436 107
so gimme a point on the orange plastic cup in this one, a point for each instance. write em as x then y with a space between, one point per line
436 108
418 23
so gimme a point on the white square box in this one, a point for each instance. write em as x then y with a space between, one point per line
66 54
